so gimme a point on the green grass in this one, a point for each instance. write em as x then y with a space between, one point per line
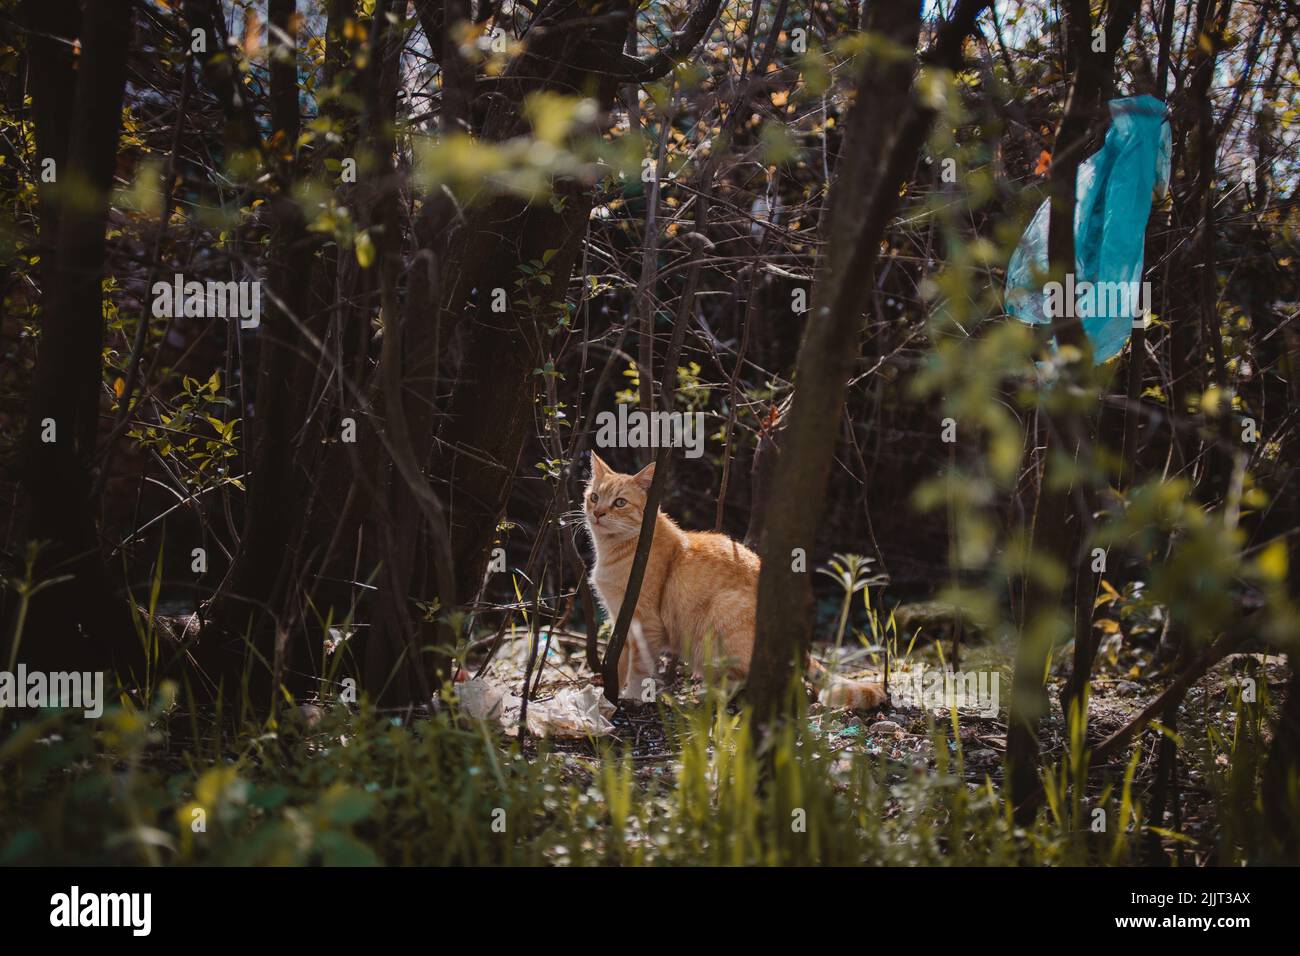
173 785
361 788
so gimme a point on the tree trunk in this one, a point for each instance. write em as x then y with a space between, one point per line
1095 84
255 608
80 622
872 168
491 408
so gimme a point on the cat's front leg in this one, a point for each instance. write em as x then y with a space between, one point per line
637 665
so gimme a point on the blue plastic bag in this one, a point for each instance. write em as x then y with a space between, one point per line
1112 204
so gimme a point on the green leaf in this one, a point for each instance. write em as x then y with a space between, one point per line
342 804
342 849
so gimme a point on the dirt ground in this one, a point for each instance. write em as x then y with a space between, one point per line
903 733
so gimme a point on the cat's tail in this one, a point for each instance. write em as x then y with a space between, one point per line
840 692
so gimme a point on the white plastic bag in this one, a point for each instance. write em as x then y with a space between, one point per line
572 712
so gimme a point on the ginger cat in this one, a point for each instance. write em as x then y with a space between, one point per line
699 595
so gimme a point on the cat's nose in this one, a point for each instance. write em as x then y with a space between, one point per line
599 514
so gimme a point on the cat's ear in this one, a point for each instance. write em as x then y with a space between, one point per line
598 468
645 476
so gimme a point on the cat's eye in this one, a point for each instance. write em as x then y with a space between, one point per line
594 498
619 502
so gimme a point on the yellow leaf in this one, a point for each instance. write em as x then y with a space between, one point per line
365 250
1272 561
